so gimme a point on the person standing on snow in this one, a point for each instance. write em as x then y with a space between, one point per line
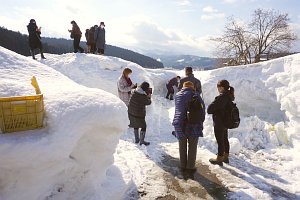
100 38
76 35
188 126
171 83
190 77
140 98
125 86
217 109
34 38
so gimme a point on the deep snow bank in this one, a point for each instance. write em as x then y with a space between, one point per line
69 157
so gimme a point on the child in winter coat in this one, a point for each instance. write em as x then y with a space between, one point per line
140 98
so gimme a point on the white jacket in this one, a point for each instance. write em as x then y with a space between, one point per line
124 89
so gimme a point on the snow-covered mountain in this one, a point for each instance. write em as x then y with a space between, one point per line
181 61
86 151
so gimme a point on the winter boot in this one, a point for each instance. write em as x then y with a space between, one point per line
217 161
142 138
136 136
226 159
32 54
171 97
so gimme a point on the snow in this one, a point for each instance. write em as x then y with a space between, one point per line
86 150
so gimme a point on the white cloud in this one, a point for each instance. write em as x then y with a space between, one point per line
209 9
184 2
143 34
211 13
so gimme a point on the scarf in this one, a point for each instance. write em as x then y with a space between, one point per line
128 80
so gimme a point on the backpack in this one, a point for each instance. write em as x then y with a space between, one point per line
231 116
196 110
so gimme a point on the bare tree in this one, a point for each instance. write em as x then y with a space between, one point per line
271 33
268 32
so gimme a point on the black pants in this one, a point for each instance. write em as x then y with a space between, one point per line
76 44
170 90
222 140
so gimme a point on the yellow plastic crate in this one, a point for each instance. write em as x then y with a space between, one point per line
21 113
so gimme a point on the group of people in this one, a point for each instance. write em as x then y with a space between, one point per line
188 118
95 37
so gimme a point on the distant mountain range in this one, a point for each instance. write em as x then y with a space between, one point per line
18 43
181 61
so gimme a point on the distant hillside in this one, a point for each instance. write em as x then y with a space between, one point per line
18 43
181 61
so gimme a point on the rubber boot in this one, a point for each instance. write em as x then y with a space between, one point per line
136 136
32 54
142 138
217 161
226 158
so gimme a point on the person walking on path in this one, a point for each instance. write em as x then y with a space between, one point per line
76 35
140 98
125 86
188 126
171 83
34 38
100 38
190 77
217 109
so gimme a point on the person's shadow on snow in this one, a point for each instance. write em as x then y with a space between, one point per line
256 174
208 182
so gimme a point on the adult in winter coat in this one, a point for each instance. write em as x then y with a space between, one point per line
34 38
190 77
217 109
137 111
171 83
91 41
125 86
76 35
100 38
186 131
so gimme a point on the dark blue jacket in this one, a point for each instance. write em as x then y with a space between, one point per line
180 122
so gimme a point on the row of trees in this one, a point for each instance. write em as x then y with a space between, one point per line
268 33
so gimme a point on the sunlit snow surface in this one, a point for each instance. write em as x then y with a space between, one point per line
86 150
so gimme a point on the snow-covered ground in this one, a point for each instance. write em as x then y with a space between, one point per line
86 150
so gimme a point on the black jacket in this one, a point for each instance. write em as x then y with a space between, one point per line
34 36
217 109
137 104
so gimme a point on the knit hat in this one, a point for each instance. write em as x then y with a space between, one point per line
188 84
102 23
32 21
145 86
223 83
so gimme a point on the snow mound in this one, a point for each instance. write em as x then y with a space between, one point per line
70 155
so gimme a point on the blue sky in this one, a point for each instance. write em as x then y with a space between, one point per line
157 26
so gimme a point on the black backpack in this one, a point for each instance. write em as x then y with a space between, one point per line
196 110
231 116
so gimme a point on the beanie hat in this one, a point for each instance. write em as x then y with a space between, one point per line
102 23
188 84
32 21
145 86
223 83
